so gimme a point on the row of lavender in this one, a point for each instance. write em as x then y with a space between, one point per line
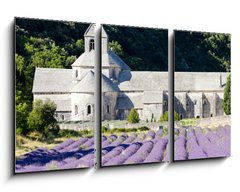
68 155
198 143
134 148
116 150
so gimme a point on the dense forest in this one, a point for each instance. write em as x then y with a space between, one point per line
143 49
202 52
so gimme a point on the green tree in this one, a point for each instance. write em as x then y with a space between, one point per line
116 47
41 119
133 116
22 112
219 46
208 52
45 53
227 97
43 44
79 45
164 117
20 64
70 60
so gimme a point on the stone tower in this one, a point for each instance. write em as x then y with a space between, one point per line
85 63
112 64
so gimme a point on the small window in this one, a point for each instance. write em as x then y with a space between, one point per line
76 109
195 102
62 116
211 114
91 45
76 73
204 101
165 103
88 109
108 109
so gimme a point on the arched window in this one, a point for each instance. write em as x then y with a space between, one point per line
76 109
91 45
108 109
181 115
88 109
204 101
62 117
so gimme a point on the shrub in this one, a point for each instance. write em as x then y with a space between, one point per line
133 116
227 97
22 111
144 128
34 135
68 133
104 129
41 119
164 117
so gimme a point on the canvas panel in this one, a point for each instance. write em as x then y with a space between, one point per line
134 95
54 95
202 100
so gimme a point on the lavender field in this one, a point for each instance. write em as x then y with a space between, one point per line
134 148
70 154
198 143
129 148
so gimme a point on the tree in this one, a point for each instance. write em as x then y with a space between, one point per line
227 97
133 116
20 64
208 52
41 118
22 112
45 53
116 48
164 117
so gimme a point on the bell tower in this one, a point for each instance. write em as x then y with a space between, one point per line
85 62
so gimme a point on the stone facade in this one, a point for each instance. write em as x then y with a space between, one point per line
196 94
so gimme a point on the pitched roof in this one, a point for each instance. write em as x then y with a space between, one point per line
143 81
111 59
86 85
184 81
108 85
52 80
86 59
90 30
200 81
